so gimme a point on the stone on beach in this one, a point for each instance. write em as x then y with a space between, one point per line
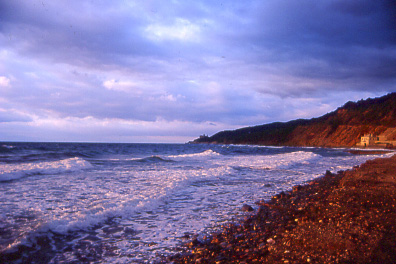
247 208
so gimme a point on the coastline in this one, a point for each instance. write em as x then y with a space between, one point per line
369 152
346 217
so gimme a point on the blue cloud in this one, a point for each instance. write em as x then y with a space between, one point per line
230 64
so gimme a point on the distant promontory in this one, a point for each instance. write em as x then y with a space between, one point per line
343 127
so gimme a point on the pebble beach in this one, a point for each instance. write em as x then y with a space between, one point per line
344 217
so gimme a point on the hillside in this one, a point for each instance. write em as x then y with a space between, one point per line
341 128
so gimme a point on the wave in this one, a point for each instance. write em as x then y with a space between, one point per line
72 229
152 159
205 153
6 148
96 216
99 215
11 172
277 161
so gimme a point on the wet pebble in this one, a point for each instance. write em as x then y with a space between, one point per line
247 208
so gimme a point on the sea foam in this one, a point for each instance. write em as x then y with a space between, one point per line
206 153
10 172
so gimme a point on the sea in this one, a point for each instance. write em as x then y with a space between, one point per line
133 203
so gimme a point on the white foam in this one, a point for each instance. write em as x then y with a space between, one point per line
369 149
8 146
390 154
278 161
141 198
16 171
205 153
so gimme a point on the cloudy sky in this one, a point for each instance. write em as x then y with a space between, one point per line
168 71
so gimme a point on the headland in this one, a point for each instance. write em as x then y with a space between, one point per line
369 123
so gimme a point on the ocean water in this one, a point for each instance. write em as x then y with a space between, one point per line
130 203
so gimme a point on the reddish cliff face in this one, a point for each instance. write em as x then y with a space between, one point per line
341 128
326 136
346 125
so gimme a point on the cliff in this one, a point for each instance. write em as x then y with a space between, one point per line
341 128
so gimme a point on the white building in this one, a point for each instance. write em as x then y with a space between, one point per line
367 140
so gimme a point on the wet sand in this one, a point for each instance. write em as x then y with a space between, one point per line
348 217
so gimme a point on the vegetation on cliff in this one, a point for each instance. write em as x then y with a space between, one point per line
342 127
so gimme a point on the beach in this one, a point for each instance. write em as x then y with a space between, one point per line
344 217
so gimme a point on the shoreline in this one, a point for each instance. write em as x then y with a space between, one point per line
347 217
369 152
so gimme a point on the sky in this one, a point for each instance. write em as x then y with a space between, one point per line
169 71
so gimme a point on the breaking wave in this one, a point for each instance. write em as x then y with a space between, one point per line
9 172
206 153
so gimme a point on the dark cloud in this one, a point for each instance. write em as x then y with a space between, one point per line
78 33
227 63
328 40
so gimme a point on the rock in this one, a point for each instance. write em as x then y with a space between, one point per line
246 208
